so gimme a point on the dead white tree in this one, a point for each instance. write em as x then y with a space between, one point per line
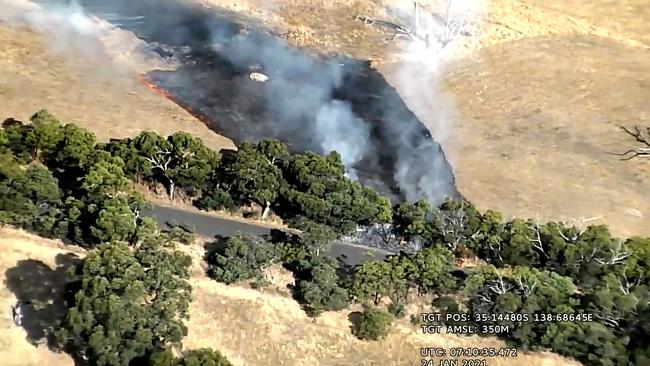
452 21
616 255
426 25
525 287
625 285
453 226
496 248
160 159
576 227
385 232
642 151
536 239
607 320
17 314
499 286
484 298
608 317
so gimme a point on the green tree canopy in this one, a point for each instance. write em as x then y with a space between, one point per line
115 221
412 220
373 324
195 357
316 238
243 258
181 159
316 189
29 196
431 269
44 135
252 173
74 150
129 302
193 162
372 281
203 357
135 166
105 179
521 290
317 286
4 141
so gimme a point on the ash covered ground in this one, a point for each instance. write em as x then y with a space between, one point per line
311 103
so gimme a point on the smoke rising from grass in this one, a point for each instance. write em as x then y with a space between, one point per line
443 30
300 94
71 32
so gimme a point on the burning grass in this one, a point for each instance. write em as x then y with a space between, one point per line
88 93
146 81
249 326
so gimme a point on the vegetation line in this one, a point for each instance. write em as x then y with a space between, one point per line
570 288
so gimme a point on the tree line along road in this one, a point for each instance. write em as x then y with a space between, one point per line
217 227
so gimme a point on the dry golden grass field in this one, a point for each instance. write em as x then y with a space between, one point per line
539 95
538 99
88 92
250 327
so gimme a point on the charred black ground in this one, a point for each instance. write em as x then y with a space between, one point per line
218 52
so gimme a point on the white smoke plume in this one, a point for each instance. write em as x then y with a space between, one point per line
442 31
299 90
73 33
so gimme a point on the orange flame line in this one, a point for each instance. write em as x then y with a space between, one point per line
144 79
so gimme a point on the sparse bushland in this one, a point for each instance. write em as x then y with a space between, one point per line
57 181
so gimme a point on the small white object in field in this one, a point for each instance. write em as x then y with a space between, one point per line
17 314
258 76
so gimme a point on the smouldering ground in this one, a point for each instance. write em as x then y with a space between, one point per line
249 327
537 99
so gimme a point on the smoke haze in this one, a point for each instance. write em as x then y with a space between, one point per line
445 30
316 104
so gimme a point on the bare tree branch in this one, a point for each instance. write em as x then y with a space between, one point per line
499 287
525 287
537 239
485 298
640 151
618 255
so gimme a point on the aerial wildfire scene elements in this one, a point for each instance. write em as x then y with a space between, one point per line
345 182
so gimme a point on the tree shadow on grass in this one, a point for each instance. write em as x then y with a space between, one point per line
218 245
354 318
344 271
41 293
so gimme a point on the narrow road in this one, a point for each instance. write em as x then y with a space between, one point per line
211 226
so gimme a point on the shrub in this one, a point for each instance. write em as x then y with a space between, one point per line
244 258
203 357
373 324
397 309
217 199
